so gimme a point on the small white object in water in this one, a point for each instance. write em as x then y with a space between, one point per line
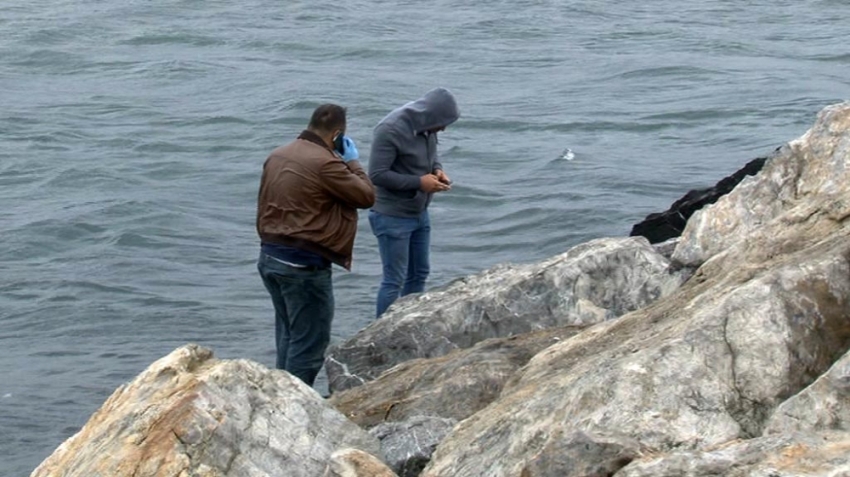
7 396
568 154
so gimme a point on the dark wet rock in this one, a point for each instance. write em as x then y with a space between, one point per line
662 226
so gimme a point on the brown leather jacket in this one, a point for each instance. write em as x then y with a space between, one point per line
309 199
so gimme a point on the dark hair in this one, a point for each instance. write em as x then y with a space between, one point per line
327 118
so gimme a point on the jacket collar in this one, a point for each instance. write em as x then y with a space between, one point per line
314 138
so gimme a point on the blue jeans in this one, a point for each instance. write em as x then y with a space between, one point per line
404 243
303 302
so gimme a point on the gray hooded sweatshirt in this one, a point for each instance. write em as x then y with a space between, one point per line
403 150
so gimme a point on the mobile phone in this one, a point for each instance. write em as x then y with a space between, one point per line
339 145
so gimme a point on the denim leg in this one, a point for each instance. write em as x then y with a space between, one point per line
419 264
310 305
281 320
394 259
393 234
304 308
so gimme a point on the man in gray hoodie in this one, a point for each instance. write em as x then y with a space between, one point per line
406 172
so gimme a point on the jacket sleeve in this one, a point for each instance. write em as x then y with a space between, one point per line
381 159
260 194
348 183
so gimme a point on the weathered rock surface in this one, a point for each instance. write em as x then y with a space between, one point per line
765 315
581 454
407 446
189 414
356 463
590 283
807 435
670 223
454 386
794 455
823 406
667 247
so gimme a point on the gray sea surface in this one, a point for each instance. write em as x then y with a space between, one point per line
132 136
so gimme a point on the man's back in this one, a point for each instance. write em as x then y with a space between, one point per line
309 198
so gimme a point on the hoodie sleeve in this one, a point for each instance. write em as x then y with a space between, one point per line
381 159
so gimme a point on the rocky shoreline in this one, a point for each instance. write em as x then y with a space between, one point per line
723 352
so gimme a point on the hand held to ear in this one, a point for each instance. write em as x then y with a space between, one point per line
349 149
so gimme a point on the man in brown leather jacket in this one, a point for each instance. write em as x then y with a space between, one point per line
309 194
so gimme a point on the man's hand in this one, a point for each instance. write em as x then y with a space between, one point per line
350 149
431 183
442 177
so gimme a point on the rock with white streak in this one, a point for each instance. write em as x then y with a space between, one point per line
189 414
765 315
407 446
590 283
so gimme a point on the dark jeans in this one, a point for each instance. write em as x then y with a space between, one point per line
304 309
404 243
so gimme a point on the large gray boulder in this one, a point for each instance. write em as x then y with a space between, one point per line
191 414
592 282
765 315
412 406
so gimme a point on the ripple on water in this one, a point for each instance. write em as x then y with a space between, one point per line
166 39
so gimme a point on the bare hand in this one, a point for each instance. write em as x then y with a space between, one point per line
442 177
430 183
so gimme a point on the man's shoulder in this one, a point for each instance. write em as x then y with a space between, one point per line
394 124
281 150
303 146
302 152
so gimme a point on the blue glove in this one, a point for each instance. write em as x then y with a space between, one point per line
350 150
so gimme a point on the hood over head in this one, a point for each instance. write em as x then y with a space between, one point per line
436 109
